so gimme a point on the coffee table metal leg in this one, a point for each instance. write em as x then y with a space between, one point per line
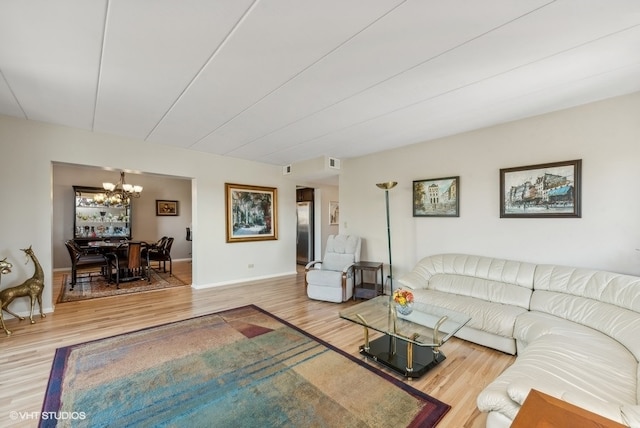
409 356
436 349
366 333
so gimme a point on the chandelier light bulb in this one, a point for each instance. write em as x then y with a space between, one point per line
123 193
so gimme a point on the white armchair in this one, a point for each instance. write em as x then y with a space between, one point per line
332 279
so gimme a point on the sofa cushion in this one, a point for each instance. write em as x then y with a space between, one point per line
605 301
499 270
494 280
487 316
491 291
577 366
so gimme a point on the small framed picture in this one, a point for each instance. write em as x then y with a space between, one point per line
334 213
539 191
164 207
436 197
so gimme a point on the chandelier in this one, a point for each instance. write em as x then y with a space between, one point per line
121 191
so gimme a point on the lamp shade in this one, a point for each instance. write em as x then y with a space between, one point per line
387 185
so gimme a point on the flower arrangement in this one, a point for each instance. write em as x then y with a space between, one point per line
403 297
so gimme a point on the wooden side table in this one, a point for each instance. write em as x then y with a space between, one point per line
369 290
540 410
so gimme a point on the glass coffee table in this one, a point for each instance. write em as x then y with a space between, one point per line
411 343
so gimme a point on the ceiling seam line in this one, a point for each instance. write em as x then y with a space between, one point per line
204 66
15 98
102 49
299 73
459 45
457 88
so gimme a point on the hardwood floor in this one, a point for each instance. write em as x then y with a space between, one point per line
26 355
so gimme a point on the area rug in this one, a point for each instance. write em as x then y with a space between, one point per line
100 287
238 368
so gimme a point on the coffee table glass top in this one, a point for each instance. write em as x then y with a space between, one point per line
418 327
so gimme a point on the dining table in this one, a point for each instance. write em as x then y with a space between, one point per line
105 247
118 250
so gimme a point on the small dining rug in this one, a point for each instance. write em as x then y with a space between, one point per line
241 367
100 287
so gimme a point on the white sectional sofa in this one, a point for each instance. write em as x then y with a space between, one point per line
576 332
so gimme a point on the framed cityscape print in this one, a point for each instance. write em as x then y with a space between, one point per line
539 191
436 197
251 213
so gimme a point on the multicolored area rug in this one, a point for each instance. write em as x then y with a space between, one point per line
100 287
238 368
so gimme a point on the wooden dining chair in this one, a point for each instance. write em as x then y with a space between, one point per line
162 255
131 264
84 261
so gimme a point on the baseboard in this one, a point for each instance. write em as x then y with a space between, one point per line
242 280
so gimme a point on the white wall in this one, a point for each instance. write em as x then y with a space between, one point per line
29 149
323 195
605 135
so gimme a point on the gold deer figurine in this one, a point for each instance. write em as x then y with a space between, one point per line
5 267
32 287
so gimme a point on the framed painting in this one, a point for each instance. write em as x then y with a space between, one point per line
334 213
436 197
251 213
164 207
539 191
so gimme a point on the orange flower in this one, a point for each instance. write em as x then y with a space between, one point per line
403 297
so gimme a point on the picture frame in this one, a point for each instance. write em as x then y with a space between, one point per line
437 197
334 213
251 213
549 190
166 208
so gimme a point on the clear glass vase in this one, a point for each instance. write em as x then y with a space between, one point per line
404 309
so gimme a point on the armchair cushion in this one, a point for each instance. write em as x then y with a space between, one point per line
325 278
337 261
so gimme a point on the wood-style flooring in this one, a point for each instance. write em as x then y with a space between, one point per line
26 355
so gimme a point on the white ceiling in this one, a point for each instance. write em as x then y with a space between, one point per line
280 81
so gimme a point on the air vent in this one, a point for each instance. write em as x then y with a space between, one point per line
334 163
286 170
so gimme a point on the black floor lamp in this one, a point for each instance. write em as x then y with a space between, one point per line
386 186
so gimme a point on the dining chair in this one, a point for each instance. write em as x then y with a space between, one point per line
83 260
162 255
131 264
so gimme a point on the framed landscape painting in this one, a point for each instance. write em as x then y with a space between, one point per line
436 197
539 191
251 213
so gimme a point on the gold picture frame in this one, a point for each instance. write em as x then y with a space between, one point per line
166 208
251 213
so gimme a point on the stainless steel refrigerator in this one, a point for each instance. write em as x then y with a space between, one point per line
304 239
